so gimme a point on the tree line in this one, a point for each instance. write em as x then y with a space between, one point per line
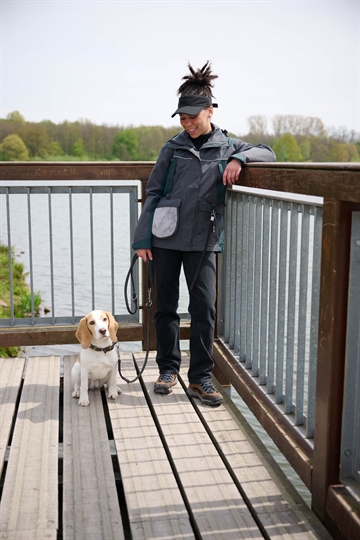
293 138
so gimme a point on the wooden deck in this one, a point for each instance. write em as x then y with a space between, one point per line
141 467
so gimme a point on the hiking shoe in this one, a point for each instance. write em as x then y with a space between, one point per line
205 392
164 383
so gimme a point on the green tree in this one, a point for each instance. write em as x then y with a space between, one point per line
305 149
13 149
286 149
16 118
78 148
354 154
55 149
319 149
151 139
341 151
36 139
125 145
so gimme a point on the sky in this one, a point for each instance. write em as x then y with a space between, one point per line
121 62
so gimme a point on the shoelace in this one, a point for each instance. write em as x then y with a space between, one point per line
207 387
166 377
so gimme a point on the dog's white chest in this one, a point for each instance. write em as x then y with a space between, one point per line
99 364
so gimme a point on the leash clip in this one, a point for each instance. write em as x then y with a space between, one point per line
149 301
212 218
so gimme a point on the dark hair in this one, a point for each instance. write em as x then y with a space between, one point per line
199 83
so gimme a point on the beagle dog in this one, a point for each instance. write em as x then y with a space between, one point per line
98 359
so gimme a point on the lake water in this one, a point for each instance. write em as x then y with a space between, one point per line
54 261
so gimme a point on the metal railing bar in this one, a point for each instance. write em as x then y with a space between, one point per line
233 325
315 299
264 314
234 298
273 304
250 285
290 334
257 287
92 248
281 321
51 254
235 284
11 283
31 273
303 308
226 268
72 271
112 257
243 278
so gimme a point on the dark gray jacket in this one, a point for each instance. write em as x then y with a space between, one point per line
185 186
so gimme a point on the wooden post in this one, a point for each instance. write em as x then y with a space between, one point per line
331 350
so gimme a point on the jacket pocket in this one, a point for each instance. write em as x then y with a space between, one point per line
208 215
166 218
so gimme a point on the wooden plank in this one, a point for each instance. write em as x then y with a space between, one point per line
29 505
218 508
138 170
11 371
90 502
32 336
293 446
336 182
155 506
280 509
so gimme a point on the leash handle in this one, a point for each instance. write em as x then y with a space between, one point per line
133 292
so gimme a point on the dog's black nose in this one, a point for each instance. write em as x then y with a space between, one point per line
102 331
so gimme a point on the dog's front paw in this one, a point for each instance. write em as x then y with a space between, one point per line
76 393
84 402
113 392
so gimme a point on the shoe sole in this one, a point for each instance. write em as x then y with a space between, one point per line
212 403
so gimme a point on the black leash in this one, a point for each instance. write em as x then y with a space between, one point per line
148 305
211 228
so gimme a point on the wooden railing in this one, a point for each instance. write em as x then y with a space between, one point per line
334 500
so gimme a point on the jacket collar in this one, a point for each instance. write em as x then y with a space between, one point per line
183 140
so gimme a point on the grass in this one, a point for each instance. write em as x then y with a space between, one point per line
21 294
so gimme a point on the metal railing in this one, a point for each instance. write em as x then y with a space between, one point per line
288 305
268 309
76 247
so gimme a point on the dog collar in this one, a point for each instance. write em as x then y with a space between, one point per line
105 350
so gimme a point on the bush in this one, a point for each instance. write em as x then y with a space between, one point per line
21 294
13 149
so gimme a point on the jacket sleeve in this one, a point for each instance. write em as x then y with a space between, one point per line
154 189
247 153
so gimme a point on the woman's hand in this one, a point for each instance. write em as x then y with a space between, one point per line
232 172
144 253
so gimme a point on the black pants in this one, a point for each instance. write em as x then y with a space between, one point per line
166 269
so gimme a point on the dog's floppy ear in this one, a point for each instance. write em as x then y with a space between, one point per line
83 334
113 326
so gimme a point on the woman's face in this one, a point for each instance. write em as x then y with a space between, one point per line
197 125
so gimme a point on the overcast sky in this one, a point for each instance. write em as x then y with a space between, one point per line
120 63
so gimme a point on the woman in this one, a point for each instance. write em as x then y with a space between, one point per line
181 225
